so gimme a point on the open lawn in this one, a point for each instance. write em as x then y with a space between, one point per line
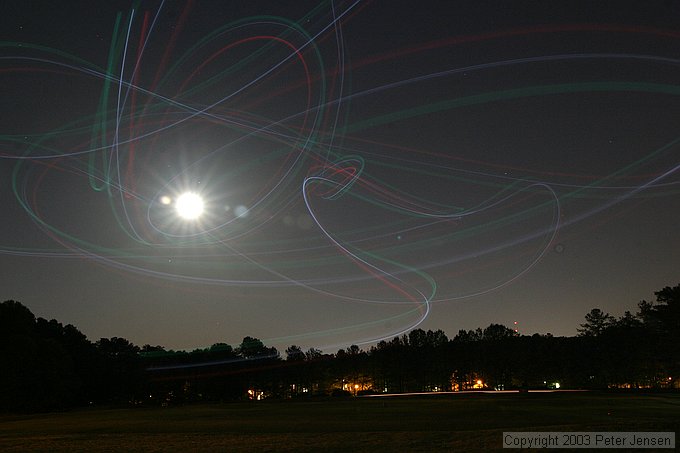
466 422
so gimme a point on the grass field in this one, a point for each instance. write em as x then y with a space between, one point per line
469 422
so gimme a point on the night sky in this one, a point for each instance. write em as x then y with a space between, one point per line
366 167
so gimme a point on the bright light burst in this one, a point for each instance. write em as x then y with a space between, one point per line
189 206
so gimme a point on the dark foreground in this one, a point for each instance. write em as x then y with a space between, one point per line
469 422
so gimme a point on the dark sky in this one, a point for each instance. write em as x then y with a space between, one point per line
366 167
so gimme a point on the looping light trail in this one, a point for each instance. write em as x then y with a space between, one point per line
245 159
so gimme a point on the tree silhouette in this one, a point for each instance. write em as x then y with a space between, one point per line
596 323
42 365
252 347
313 354
49 366
663 322
120 372
15 319
295 354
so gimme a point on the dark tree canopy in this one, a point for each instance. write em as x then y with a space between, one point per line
294 354
596 323
665 314
15 319
49 366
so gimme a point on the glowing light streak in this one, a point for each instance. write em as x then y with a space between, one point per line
310 170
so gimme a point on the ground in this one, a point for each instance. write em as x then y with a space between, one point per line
471 422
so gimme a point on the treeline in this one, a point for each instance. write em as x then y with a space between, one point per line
49 366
